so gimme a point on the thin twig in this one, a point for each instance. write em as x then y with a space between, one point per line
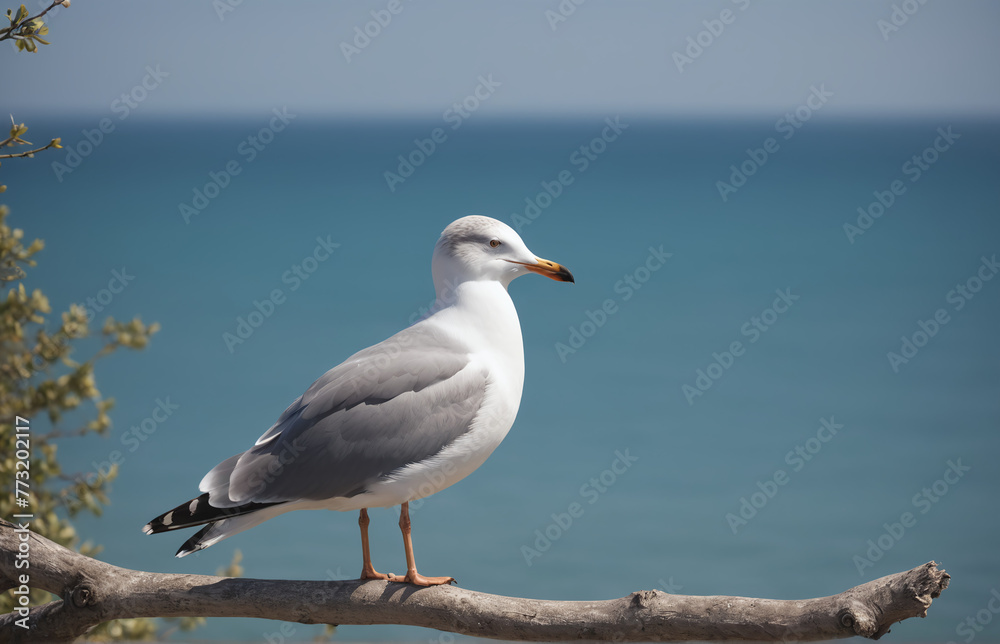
18 155
10 32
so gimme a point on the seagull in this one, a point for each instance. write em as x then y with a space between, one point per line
395 422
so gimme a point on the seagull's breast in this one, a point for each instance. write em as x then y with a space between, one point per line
485 321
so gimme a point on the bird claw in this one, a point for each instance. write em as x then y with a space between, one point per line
415 578
373 574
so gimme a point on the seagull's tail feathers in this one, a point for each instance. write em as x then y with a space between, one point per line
218 530
223 522
198 511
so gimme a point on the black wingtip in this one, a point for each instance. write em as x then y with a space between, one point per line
197 511
190 513
194 543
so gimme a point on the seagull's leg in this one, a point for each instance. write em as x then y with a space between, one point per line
412 576
367 571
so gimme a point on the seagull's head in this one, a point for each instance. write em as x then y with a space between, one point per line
477 248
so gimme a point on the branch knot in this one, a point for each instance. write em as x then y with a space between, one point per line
643 598
859 618
82 596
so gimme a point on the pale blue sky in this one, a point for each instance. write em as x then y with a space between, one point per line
606 57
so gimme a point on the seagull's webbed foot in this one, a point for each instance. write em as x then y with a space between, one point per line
412 576
415 578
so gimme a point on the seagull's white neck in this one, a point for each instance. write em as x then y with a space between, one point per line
486 307
485 315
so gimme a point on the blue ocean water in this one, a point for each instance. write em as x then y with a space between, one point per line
730 344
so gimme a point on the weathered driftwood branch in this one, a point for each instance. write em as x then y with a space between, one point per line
93 592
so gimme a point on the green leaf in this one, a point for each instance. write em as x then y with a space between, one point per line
41 40
30 353
22 13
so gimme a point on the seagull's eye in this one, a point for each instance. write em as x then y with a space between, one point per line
494 243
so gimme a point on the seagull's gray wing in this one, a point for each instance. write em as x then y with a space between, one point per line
395 403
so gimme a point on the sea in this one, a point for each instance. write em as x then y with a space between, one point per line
777 374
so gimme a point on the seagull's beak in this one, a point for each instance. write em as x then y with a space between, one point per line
549 269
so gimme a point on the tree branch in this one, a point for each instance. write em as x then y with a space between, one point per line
13 30
93 592
29 153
